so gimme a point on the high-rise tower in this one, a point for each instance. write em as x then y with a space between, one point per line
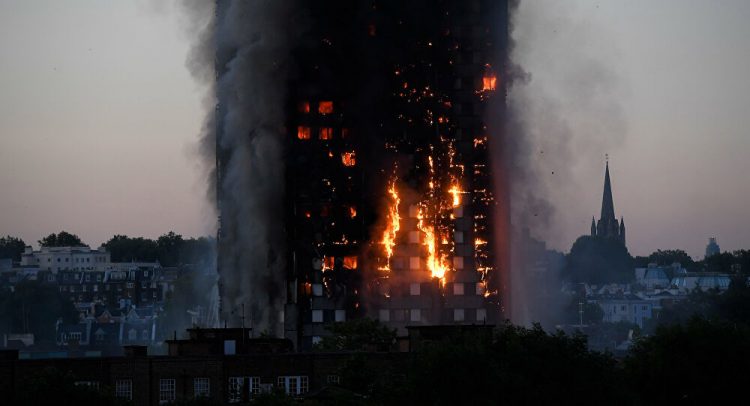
388 199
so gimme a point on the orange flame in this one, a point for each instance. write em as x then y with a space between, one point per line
348 159
352 212
326 133
436 263
303 133
489 82
325 107
392 226
350 262
455 191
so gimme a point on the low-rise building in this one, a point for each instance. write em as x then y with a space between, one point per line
57 259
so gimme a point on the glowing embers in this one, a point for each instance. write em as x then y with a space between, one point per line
392 226
326 133
304 107
303 133
348 158
325 107
352 212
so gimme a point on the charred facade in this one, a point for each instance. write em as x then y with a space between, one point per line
388 198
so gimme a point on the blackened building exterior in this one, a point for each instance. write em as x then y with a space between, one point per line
387 124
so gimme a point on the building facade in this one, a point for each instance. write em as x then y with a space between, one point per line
389 197
57 259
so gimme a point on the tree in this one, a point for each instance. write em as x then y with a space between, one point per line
699 362
599 260
592 312
669 257
11 247
52 386
61 239
125 249
34 307
721 262
198 251
170 245
358 335
519 366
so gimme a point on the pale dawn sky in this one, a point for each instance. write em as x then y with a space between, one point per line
99 118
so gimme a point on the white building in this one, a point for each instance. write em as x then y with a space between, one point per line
67 258
629 308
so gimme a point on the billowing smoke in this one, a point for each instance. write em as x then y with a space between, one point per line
564 113
243 55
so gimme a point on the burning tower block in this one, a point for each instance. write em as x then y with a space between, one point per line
389 200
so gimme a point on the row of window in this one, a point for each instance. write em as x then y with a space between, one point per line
416 315
79 260
322 316
239 387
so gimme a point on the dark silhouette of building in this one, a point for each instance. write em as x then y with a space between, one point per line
225 366
608 226
712 248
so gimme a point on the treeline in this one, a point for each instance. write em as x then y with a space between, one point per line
600 260
34 307
699 361
170 249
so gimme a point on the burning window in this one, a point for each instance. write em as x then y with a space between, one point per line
325 107
350 262
348 158
414 263
303 133
489 82
328 262
352 211
326 133
304 107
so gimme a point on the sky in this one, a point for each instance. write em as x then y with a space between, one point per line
99 119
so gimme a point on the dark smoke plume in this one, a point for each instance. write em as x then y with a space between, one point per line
564 113
242 56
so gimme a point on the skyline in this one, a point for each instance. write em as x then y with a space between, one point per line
99 121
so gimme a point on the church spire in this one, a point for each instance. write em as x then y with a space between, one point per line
608 206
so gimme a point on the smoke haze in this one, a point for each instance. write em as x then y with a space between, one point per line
564 114
247 45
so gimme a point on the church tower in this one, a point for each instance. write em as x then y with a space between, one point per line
608 226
